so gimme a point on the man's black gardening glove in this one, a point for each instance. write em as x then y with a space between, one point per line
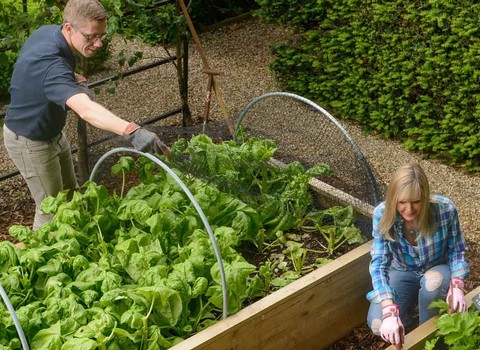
145 141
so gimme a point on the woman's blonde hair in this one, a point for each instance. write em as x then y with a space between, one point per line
408 184
79 12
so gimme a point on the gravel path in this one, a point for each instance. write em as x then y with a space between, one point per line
241 53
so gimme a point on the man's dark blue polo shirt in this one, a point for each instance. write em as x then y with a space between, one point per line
43 80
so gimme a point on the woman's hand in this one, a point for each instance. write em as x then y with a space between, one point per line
456 296
392 330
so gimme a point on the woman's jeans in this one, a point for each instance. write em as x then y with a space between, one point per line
412 288
46 166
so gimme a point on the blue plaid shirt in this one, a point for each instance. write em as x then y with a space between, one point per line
445 246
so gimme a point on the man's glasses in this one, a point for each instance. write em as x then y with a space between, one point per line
91 38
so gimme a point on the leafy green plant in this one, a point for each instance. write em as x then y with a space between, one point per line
458 331
281 195
12 37
124 166
136 270
297 254
335 225
109 267
147 20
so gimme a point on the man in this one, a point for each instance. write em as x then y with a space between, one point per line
43 87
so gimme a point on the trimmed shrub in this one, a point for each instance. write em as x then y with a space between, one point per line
403 69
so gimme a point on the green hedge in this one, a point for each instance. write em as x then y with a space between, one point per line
404 69
12 37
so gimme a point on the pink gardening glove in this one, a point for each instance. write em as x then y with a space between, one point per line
392 330
456 296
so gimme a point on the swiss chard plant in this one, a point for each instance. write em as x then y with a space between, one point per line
335 225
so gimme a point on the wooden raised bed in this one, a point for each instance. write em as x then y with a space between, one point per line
311 313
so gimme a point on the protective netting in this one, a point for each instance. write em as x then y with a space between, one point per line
307 133
301 131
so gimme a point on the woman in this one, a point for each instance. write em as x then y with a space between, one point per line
418 255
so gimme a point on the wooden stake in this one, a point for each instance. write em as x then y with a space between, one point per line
206 66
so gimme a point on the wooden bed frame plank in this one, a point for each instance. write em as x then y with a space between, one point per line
310 313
